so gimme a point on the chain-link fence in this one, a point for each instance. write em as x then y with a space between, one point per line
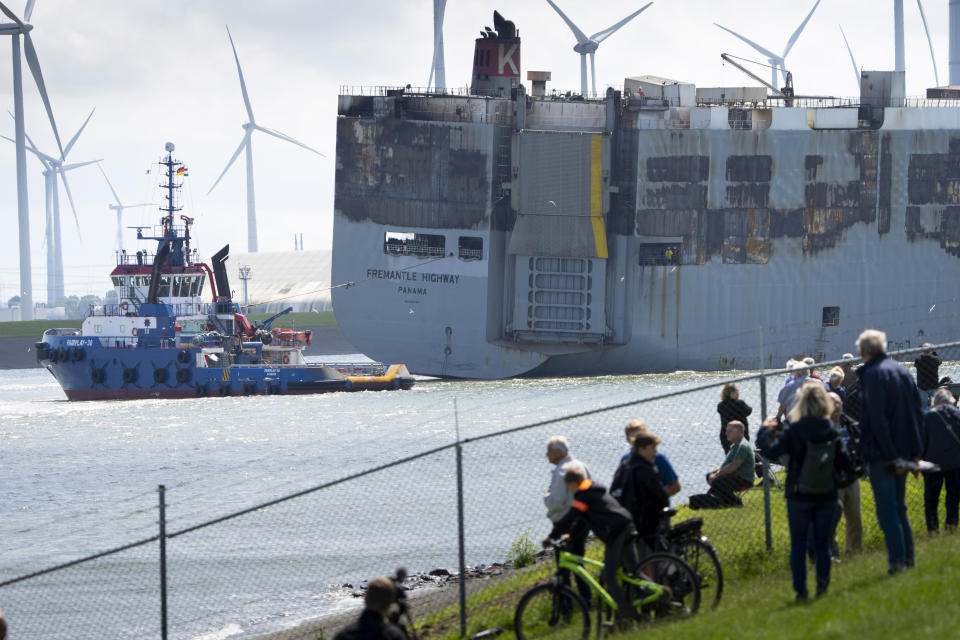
286 566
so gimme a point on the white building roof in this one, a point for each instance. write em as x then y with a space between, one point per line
281 279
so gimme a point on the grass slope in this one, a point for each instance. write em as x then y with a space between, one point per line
35 328
758 599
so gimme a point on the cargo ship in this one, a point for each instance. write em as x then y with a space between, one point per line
501 232
162 340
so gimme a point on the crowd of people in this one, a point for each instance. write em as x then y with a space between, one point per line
871 421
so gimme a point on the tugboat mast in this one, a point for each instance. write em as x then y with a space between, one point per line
174 168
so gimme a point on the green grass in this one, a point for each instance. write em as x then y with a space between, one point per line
298 319
758 594
35 328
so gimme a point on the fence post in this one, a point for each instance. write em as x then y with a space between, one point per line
163 563
460 527
767 518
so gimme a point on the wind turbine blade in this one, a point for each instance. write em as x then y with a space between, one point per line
28 11
766 52
31 55
796 34
580 35
933 58
856 69
44 158
600 36
10 14
112 190
66 185
233 158
283 136
73 140
142 204
77 165
243 85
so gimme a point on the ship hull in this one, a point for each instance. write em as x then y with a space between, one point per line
88 370
785 239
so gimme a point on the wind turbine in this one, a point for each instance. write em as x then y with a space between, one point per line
438 75
776 61
245 145
119 207
53 167
588 46
856 69
15 30
933 58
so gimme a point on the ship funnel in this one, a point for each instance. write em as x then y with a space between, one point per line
220 275
496 59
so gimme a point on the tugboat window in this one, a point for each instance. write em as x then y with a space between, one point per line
163 291
470 248
831 316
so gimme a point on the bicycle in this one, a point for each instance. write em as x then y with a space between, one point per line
662 585
688 541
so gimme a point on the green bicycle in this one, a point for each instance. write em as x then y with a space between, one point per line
662 585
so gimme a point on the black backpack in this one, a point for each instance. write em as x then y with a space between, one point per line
816 475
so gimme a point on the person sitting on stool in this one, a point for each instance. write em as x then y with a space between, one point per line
735 474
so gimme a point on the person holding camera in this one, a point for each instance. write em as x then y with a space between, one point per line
928 372
811 441
373 623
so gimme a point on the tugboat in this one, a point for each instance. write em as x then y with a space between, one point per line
160 340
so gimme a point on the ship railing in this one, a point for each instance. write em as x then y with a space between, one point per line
470 254
178 309
139 258
413 249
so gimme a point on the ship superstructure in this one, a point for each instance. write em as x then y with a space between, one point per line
664 227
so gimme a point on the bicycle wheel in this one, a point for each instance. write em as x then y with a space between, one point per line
549 611
702 558
668 570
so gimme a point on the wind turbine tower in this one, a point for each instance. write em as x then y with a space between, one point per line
588 45
119 207
15 30
245 145
777 62
438 74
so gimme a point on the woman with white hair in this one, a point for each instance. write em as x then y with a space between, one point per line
834 383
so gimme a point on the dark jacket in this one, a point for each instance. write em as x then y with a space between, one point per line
370 626
928 366
793 441
604 515
941 436
890 413
638 487
730 409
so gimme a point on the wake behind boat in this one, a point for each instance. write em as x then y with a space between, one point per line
161 341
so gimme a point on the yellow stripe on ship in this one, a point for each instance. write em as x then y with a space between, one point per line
596 195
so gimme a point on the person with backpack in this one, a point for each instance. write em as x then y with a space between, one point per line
812 442
941 445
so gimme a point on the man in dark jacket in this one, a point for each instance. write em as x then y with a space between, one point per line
372 624
609 521
890 419
637 486
928 371
941 445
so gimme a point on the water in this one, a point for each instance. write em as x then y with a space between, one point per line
80 478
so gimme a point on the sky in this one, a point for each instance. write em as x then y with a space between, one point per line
162 70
